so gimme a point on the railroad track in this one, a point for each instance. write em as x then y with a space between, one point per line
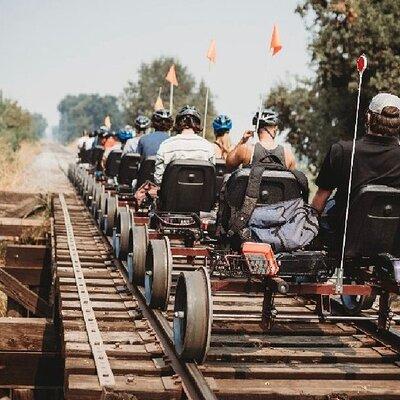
299 358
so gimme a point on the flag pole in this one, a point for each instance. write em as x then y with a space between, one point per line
361 67
171 97
206 105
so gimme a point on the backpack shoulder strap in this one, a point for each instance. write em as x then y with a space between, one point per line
240 218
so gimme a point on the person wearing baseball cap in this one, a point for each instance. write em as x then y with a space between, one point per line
376 159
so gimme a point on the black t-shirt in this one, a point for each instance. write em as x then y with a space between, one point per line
376 161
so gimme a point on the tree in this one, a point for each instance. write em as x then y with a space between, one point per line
86 111
38 125
17 124
321 110
139 96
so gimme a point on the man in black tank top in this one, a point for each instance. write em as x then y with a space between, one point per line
244 155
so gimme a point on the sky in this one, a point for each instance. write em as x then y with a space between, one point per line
50 48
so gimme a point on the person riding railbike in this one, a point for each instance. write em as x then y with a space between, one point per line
142 123
187 144
250 209
222 125
376 161
123 135
245 154
161 122
111 143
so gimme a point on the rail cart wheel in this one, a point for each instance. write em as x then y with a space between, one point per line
140 241
158 277
102 208
123 226
88 191
354 304
111 215
193 315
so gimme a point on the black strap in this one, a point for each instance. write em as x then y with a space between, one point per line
240 218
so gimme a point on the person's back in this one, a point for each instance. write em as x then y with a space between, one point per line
141 125
222 125
267 128
376 159
149 144
186 145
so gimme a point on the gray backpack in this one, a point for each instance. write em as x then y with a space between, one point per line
287 225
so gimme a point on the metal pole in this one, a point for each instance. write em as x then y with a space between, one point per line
205 114
340 269
171 98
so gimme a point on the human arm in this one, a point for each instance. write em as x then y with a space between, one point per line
328 178
159 166
320 199
241 154
290 161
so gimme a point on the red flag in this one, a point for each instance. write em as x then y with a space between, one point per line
276 45
212 52
171 76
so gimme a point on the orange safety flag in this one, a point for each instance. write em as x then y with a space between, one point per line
159 104
171 76
107 121
212 52
276 45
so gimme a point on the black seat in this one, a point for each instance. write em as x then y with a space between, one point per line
112 163
86 156
188 186
276 186
220 171
374 222
128 169
97 155
146 171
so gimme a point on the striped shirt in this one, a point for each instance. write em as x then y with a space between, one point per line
183 146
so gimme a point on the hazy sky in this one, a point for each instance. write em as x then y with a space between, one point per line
50 48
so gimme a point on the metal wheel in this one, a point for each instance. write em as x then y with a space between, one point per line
158 277
122 230
193 315
139 240
110 215
101 210
96 198
354 304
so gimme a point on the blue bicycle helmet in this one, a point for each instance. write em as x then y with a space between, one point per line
124 135
222 124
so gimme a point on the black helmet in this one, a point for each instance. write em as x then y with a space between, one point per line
189 111
142 123
268 117
188 118
162 120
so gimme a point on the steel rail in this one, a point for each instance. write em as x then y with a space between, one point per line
194 383
103 367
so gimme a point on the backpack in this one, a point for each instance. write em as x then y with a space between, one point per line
286 225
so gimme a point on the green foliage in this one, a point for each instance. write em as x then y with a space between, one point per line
139 96
321 110
86 111
17 124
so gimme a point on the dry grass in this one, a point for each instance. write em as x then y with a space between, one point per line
12 167
12 164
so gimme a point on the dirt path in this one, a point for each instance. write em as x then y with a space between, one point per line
46 173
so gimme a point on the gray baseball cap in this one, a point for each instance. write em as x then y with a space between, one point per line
382 100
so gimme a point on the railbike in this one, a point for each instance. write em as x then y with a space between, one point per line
182 227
